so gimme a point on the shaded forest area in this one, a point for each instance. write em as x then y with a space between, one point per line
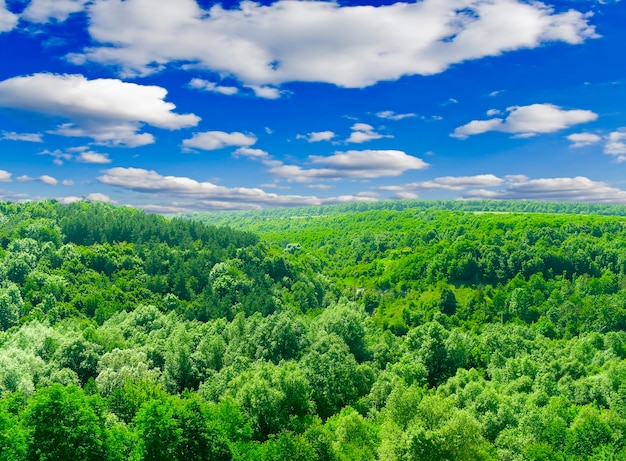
399 331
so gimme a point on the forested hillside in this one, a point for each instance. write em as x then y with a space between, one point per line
407 331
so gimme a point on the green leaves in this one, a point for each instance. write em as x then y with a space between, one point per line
171 429
65 424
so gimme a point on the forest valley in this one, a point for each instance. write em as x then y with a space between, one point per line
394 331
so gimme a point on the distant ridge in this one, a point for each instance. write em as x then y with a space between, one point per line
494 206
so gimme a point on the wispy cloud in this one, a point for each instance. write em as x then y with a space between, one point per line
453 183
579 189
391 115
212 87
188 193
317 136
27 137
46 179
80 154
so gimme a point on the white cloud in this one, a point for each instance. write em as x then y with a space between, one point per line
93 157
98 197
266 92
67 182
317 136
492 112
59 156
274 186
42 11
5 176
577 189
46 179
362 127
616 145
92 197
447 183
192 194
256 154
109 111
583 139
391 115
212 140
27 137
314 41
124 134
260 91
406 195
8 20
353 164
212 87
80 154
320 186
69 199
362 132
526 121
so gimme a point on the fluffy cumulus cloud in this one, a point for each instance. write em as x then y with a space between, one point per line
109 111
353 164
213 140
265 91
264 46
526 121
190 194
578 189
8 20
317 136
616 144
93 157
5 176
452 183
583 139
42 11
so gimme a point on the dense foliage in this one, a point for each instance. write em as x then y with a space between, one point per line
403 331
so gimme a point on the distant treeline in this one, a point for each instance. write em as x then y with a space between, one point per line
494 206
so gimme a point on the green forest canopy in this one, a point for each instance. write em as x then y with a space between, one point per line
387 331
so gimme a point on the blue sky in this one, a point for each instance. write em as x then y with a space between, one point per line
193 105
